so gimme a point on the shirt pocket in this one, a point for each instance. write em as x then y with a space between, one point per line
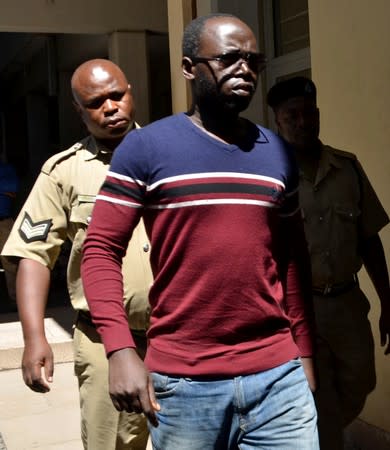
81 212
80 216
345 230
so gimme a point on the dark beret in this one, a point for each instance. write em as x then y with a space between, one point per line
292 87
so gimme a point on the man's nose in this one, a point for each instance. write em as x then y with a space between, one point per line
109 106
244 65
302 120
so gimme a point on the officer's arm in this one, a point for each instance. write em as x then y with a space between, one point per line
32 288
375 263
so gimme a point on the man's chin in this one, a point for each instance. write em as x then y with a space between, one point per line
305 143
119 132
113 138
238 104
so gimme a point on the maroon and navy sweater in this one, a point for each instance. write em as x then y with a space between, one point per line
224 224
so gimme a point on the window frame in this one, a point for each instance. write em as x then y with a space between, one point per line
280 66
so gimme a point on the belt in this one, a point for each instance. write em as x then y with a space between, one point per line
3 218
333 290
85 318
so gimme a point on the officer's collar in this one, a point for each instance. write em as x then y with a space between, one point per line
328 158
327 161
96 147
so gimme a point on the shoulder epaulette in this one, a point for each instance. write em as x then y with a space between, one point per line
49 165
342 153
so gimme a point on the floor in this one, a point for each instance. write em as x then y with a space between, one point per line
29 420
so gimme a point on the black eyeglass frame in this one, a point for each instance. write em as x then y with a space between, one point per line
252 59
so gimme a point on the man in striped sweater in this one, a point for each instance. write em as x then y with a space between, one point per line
230 324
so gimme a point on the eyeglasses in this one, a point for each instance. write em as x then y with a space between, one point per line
256 61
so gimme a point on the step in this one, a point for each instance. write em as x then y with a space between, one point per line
58 329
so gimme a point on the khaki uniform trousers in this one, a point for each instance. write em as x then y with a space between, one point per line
345 362
102 426
10 267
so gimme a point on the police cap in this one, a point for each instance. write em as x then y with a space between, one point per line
292 87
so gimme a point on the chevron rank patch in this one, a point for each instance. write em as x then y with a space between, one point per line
31 231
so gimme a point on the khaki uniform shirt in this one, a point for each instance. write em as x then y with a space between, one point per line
339 209
60 207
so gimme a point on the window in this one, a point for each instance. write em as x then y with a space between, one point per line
287 41
291 26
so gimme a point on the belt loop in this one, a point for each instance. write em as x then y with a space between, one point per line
327 289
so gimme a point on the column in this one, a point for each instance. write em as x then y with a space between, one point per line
180 13
129 50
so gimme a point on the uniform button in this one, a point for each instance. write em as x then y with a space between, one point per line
321 218
327 253
146 248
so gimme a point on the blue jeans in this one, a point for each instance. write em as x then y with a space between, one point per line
273 409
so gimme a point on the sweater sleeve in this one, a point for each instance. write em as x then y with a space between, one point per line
298 295
116 213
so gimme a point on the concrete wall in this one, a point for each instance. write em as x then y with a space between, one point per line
86 16
350 48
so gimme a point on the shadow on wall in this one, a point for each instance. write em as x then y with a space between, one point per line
360 435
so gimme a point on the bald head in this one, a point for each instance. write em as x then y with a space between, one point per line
102 96
95 71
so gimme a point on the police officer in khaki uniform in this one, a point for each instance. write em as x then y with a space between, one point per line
59 207
342 217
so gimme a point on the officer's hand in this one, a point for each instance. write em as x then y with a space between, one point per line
384 327
130 385
38 365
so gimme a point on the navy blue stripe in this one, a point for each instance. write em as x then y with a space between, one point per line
117 189
217 188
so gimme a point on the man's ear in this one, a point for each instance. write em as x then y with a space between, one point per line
276 118
76 107
187 68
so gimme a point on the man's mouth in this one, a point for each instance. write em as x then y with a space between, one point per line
243 88
118 122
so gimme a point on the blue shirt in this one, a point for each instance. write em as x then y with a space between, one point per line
9 183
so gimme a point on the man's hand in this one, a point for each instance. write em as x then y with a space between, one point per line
374 261
308 367
384 327
38 365
130 385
